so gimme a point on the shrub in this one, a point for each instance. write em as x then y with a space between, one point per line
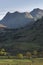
20 56
28 55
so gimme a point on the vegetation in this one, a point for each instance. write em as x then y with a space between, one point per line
37 61
35 53
4 54
20 56
28 55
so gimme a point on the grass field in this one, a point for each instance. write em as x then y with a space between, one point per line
38 61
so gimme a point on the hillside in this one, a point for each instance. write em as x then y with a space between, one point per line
23 38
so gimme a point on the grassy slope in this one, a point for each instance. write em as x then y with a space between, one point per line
21 62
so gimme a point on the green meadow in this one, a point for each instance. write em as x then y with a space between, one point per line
35 61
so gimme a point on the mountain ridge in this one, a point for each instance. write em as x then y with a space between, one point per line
21 19
16 20
37 13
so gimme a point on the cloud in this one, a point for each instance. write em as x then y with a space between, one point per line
2 14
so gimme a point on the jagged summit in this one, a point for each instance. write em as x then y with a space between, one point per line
16 19
37 9
37 13
21 19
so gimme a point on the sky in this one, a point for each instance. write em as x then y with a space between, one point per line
19 5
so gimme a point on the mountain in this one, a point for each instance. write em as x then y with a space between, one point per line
37 13
23 38
34 34
16 19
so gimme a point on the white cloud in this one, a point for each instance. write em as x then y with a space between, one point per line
1 17
2 14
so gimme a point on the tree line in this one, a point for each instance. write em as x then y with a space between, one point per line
27 55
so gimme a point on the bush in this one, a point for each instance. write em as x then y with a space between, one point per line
28 55
20 56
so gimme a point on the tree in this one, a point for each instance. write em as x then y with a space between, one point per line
35 53
3 52
20 56
28 55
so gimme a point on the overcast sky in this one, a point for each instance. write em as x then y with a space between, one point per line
19 5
